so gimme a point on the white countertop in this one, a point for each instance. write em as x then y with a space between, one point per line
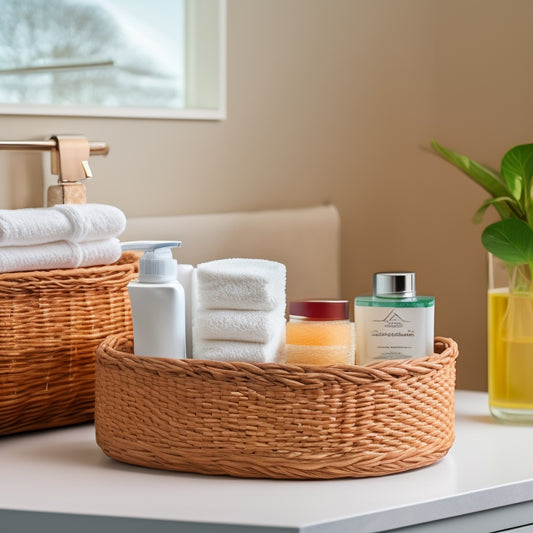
60 480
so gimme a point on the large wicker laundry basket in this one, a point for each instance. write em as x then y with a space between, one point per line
273 420
51 322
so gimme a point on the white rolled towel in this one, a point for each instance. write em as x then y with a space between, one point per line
238 324
253 284
233 351
68 222
60 254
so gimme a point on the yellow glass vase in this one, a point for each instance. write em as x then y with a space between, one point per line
510 342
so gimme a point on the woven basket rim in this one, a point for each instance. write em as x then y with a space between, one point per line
126 263
121 346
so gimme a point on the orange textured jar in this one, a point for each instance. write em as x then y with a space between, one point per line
319 332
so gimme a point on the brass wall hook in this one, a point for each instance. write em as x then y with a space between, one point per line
69 160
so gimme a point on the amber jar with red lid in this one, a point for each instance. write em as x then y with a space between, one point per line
319 332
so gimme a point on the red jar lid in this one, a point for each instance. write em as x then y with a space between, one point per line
320 309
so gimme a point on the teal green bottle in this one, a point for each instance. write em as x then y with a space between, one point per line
393 323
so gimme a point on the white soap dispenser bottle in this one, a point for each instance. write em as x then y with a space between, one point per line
157 302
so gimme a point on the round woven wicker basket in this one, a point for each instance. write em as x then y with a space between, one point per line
51 322
271 420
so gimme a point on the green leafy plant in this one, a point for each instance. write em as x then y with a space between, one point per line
511 238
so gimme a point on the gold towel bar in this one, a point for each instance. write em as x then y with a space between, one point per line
96 147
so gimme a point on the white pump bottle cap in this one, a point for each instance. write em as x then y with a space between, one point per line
157 264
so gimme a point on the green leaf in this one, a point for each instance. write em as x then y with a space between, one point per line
529 212
517 170
489 179
478 215
511 240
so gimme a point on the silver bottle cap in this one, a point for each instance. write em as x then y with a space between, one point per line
394 284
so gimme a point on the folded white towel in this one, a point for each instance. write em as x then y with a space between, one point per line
69 222
238 324
59 254
232 351
254 284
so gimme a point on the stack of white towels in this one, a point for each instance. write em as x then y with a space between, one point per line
240 310
62 236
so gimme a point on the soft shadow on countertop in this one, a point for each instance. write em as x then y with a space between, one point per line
480 419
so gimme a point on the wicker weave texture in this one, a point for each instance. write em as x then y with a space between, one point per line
274 421
50 325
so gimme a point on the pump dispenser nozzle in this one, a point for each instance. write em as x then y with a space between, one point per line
157 265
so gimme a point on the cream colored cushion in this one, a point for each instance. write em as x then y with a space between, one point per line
306 240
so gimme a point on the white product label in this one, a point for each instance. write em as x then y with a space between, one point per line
393 333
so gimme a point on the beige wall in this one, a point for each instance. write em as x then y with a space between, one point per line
335 101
